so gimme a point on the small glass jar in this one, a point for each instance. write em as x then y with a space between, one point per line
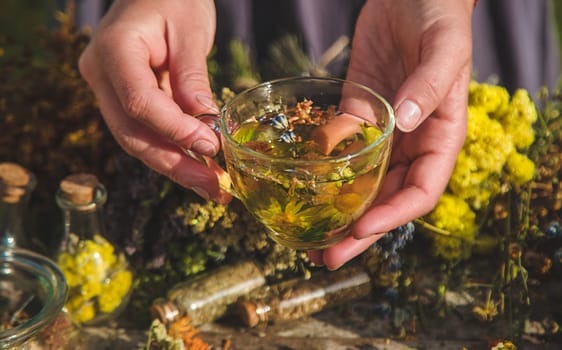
98 273
298 298
209 296
32 294
16 186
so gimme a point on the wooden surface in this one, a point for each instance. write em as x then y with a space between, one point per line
323 331
356 326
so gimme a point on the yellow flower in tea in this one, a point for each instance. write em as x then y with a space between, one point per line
288 215
348 203
306 223
370 134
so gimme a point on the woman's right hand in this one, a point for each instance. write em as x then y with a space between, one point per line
147 65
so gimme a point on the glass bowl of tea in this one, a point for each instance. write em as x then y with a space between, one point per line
32 295
307 155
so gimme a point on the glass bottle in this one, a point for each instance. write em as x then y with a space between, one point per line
97 272
297 298
16 185
209 296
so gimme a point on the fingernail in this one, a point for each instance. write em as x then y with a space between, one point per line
204 147
408 116
201 192
334 268
208 102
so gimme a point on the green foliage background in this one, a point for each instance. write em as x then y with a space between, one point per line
19 18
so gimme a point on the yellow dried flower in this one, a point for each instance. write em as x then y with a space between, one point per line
454 216
492 98
478 168
84 314
98 278
498 128
522 107
521 169
522 134
504 345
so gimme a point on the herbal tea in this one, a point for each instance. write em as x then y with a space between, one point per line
311 172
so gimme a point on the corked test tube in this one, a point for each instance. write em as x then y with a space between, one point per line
299 298
210 295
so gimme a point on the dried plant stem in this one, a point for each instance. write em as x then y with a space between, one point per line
426 225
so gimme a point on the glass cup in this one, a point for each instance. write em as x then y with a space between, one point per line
307 155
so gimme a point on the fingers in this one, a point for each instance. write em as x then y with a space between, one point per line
130 64
396 205
137 87
401 201
336 256
444 54
421 171
417 177
147 144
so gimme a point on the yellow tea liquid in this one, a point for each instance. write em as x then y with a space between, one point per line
306 191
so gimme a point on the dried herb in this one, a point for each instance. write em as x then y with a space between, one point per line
298 298
59 334
9 320
208 296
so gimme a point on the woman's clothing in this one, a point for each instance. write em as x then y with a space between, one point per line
514 41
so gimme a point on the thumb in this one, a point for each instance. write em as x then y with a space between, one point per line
430 82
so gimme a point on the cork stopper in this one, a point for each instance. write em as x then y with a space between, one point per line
252 313
79 188
165 311
13 181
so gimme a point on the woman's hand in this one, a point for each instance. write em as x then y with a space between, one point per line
147 65
417 54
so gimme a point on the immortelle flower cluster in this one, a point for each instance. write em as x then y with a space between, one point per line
493 160
98 279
